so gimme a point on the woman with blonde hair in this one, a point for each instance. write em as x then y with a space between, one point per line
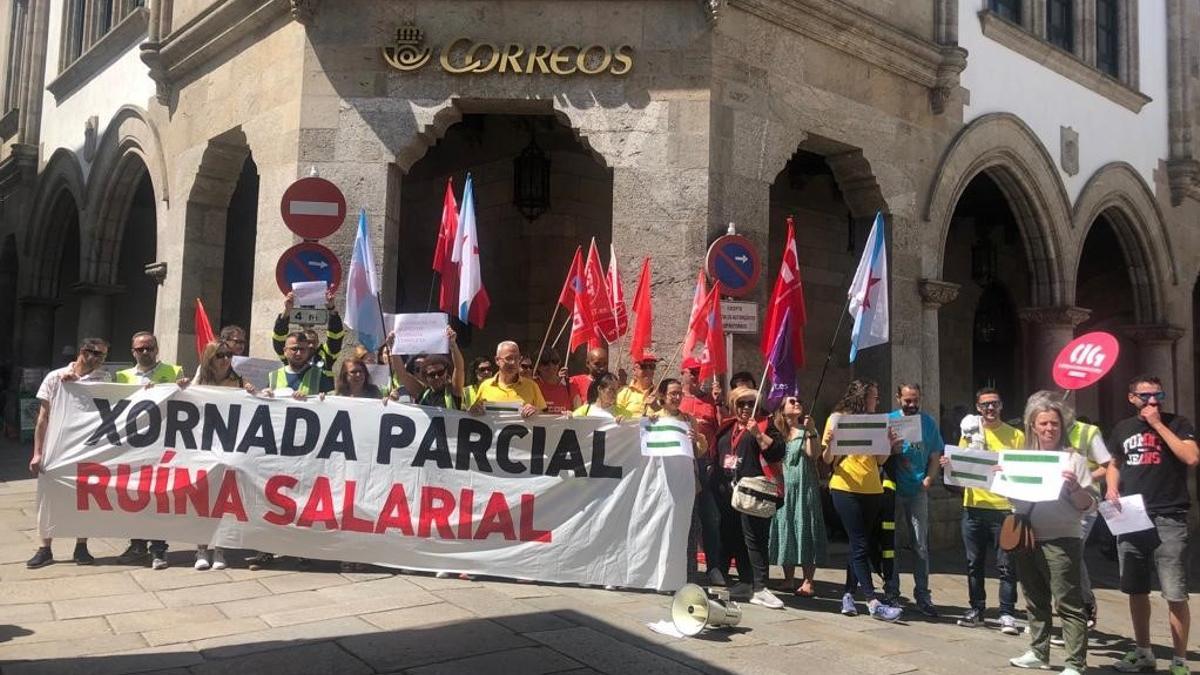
1050 573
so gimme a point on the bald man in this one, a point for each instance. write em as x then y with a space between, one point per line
508 385
597 365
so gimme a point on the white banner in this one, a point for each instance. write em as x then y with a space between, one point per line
553 499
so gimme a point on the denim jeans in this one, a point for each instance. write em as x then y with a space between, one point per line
858 513
912 514
981 533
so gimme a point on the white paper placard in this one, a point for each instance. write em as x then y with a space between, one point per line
1030 475
907 427
1132 516
664 438
255 371
860 435
309 293
381 375
969 468
422 333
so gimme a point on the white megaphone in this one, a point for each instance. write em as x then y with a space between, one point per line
695 609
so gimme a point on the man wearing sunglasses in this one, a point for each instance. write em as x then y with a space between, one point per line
147 370
85 368
1153 453
638 392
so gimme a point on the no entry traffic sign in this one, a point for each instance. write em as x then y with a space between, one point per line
1085 360
313 208
733 261
307 261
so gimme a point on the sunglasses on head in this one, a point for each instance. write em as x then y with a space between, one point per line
1152 395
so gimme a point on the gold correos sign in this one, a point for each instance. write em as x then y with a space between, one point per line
464 55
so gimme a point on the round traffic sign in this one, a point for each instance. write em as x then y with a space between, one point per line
733 261
307 261
313 208
1085 360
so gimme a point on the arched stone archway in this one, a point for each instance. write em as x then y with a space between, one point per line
45 233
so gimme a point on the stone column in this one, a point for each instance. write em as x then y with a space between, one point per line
37 331
1156 354
934 294
95 309
1048 330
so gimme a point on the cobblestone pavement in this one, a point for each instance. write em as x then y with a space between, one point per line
109 618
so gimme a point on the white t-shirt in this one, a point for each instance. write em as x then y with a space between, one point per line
52 383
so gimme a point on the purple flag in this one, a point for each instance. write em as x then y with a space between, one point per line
782 369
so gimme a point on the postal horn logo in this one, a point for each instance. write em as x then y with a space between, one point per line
408 54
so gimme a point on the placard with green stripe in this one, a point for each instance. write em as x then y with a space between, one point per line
970 468
1030 475
664 437
860 435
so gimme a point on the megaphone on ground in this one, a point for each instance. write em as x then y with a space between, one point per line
695 609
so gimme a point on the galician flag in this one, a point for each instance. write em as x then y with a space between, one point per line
473 299
869 293
362 291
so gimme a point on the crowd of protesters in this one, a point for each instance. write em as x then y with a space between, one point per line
1147 454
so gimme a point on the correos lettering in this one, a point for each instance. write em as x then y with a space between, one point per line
463 55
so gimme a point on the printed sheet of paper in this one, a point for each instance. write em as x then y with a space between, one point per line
861 435
1030 475
1131 518
907 427
664 438
381 375
309 293
255 371
970 468
421 333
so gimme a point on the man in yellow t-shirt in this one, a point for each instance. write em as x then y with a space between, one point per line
633 397
508 386
983 513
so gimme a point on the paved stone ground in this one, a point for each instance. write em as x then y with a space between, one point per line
109 618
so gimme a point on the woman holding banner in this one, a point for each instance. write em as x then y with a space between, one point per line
743 450
856 492
1049 572
602 399
216 370
798 529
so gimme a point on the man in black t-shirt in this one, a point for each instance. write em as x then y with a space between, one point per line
1152 452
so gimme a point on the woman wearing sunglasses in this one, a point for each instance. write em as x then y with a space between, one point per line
857 492
216 370
798 529
744 450
482 368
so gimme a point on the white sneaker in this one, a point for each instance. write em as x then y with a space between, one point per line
766 599
442 575
1068 670
201 561
158 564
1029 660
1008 625
218 561
1135 662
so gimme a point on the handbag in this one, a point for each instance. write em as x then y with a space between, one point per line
756 496
1016 532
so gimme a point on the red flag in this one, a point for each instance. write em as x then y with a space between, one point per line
696 332
443 252
643 322
712 358
597 295
204 331
788 294
574 297
616 292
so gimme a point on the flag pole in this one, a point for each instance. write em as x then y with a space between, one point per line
549 327
829 354
558 337
433 279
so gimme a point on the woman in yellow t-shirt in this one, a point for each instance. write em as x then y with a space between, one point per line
856 493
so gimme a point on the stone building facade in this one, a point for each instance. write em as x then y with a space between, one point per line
1035 162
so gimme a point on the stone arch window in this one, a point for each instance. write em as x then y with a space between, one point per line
86 22
1094 42
18 16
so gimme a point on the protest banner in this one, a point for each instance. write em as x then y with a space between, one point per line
1030 475
421 333
970 468
549 498
861 435
664 438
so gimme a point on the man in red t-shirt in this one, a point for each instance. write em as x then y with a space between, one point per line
706 522
697 403
597 365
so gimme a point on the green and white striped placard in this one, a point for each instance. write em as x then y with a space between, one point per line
665 438
970 468
1031 475
861 435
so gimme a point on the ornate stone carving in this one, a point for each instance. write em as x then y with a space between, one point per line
1055 316
1152 333
935 292
954 61
1183 176
89 137
303 11
1068 150
712 9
